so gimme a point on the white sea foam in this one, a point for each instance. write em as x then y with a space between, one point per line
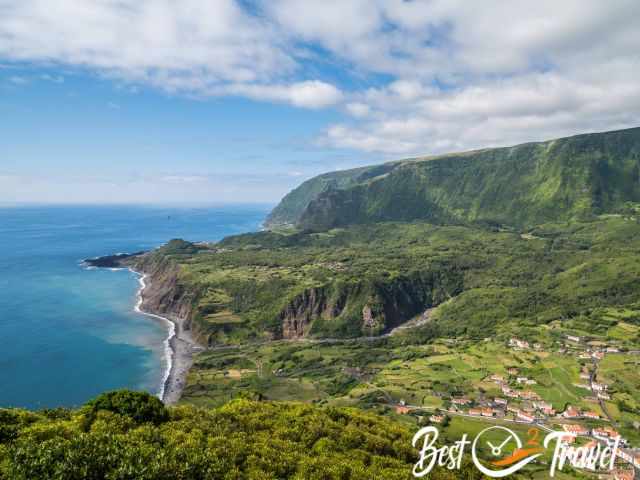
83 264
168 351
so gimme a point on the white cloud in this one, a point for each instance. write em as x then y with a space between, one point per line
309 94
504 73
191 46
525 108
456 75
358 109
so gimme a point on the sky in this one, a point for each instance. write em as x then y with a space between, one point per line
239 101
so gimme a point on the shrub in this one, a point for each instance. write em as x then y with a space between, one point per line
139 406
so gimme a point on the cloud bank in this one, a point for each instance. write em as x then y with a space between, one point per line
410 76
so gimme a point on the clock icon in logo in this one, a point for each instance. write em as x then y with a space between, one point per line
505 449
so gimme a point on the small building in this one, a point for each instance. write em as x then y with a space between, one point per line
605 432
575 429
571 412
436 418
549 411
568 439
599 387
525 417
402 409
541 404
574 338
460 401
476 412
487 412
500 401
517 343
513 409
509 392
591 415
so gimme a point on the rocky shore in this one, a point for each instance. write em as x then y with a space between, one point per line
111 261
162 297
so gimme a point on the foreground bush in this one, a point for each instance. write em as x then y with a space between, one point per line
140 407
130 437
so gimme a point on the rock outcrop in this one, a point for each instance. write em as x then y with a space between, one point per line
368 308
164 294
119 260
298 315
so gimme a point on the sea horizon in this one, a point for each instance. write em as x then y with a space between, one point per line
72 332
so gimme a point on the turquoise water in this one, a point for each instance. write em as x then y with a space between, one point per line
69 333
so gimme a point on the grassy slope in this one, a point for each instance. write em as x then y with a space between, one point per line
481 279
523 185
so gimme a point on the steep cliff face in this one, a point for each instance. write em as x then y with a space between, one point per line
164 294
369 307
301 311
294 203
524 185
314 303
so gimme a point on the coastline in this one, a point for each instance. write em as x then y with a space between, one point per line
179 348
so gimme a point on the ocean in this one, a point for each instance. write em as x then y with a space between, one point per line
69 333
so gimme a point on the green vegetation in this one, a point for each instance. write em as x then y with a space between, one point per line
293 204
367 279
240 440
568 178
482 286
402 283
622 372
138 406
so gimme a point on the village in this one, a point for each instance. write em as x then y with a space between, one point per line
517 402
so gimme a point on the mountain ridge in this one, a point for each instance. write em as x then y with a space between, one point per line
521 185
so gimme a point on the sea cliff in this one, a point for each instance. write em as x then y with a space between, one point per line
162 295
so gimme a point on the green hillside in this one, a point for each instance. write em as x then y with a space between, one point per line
293 204
128 435
367 279
568 178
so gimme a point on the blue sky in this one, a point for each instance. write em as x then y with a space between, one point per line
200 101
72 127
